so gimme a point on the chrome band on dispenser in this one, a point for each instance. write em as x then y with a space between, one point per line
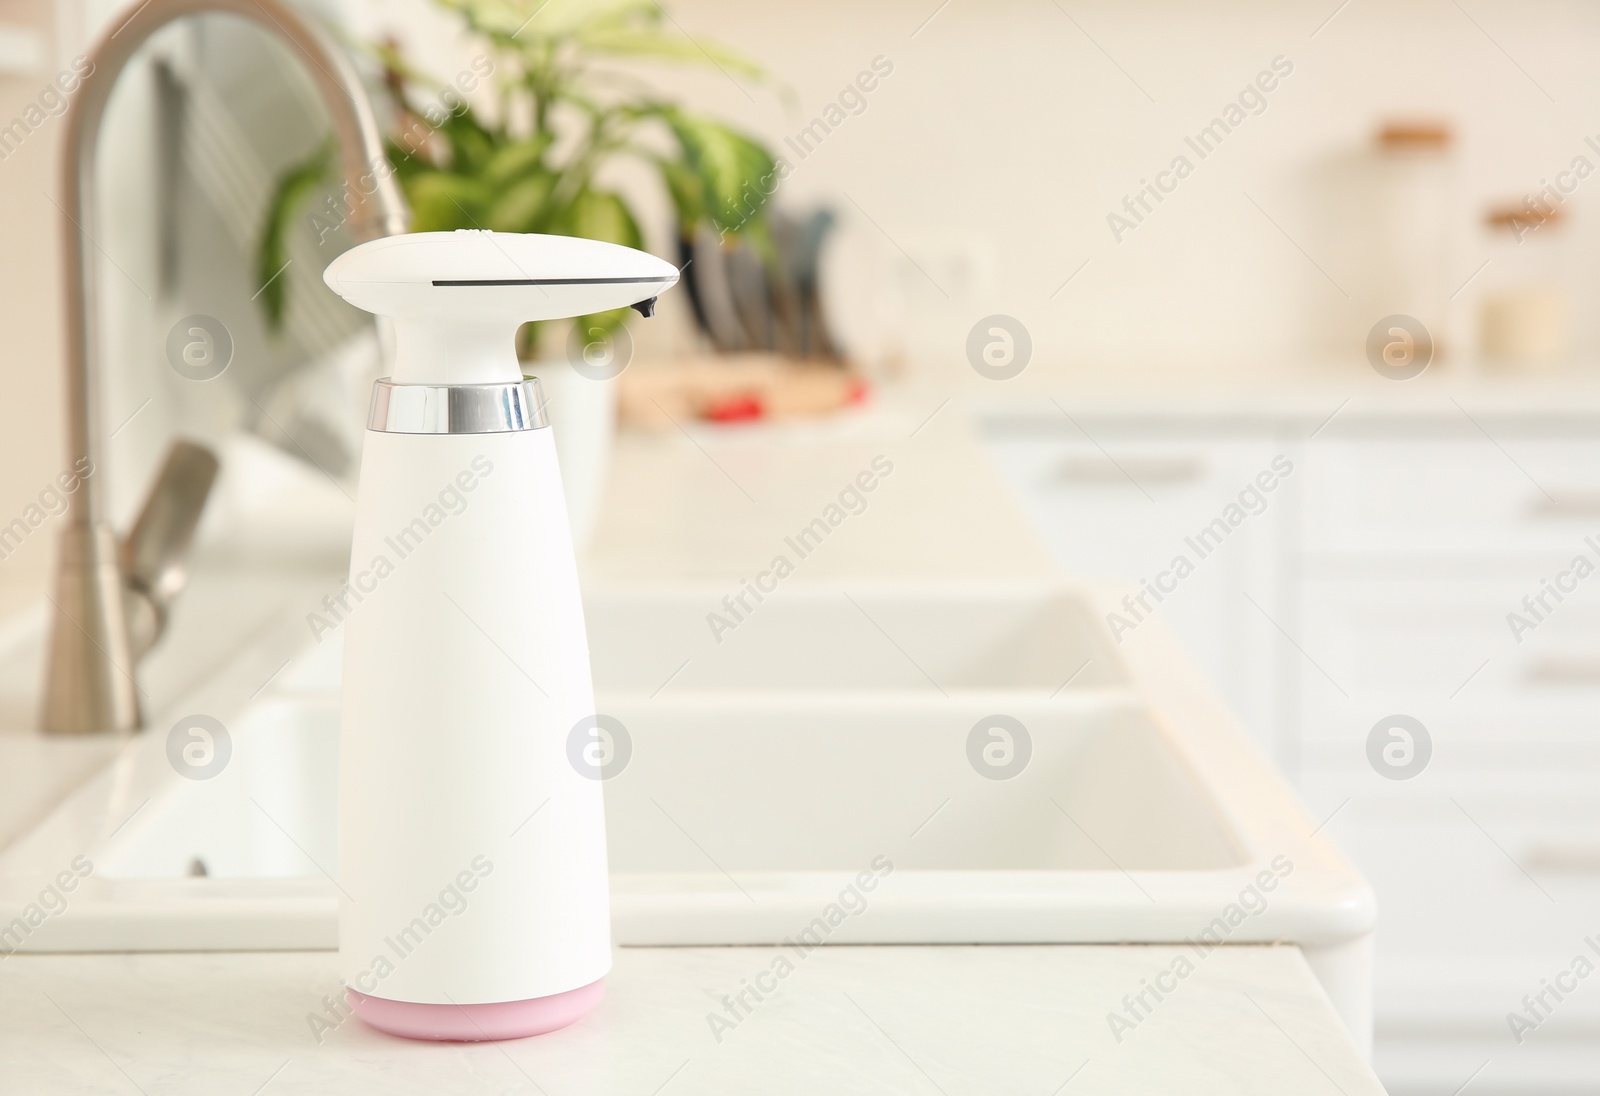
456 408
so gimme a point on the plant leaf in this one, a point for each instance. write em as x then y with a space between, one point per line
684 187
736 174
599 215
607 321
526 19
471 145
521 206
620 28
289 196
509 161
442 201
659 46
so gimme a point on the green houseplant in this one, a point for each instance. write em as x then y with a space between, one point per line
556 114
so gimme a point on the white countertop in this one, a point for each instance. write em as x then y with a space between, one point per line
847 1019
1292 391
717 502
1022 1019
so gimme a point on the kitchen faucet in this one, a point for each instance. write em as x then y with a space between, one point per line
112 594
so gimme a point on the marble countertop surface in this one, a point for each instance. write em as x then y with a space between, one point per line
1025 1020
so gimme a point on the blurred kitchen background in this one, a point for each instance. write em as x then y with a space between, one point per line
1428 160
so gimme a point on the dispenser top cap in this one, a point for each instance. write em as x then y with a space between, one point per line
476 274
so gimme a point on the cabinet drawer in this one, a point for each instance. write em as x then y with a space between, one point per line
1495 893
1444 652
1453 496
1123 506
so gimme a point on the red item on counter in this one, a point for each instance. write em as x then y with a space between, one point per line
744 407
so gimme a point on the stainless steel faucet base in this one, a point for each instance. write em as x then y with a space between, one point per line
90 636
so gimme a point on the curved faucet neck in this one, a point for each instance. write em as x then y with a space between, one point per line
382 213
101 582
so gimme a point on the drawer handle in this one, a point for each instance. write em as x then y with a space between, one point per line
1563 859
1567 506
1148 471
1563 670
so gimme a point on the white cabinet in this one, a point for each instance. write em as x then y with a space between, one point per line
1439 578
1380 580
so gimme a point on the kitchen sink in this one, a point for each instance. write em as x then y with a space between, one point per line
751 788
987 758
989 636
904 639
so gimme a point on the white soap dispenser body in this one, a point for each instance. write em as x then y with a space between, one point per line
472 855
471 849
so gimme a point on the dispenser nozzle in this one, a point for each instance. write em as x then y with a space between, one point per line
645 308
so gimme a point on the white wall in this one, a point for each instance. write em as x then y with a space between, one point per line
32 445
1020 126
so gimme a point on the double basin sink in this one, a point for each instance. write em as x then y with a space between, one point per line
986 757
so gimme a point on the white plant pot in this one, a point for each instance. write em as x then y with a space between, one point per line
583 419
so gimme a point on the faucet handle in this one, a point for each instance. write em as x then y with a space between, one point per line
155 553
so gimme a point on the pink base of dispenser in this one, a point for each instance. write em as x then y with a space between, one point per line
477 1023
